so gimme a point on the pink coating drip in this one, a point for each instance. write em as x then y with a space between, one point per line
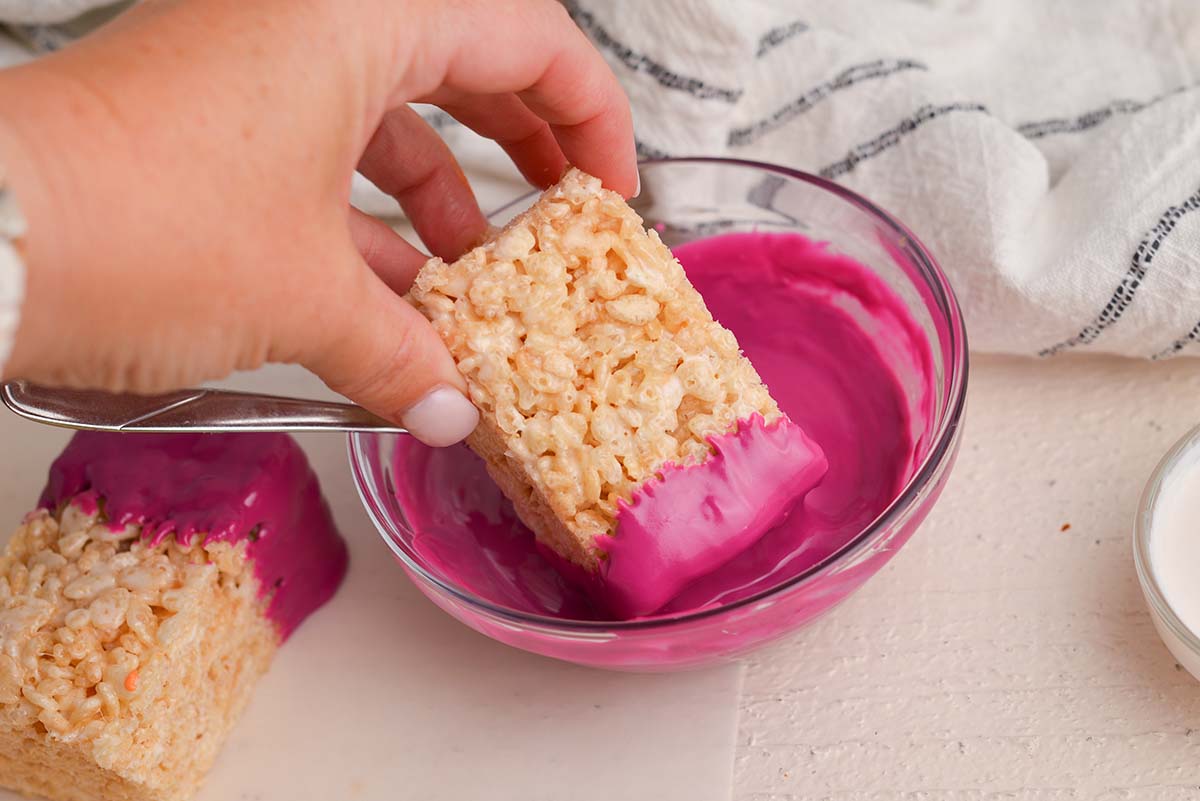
686 524
226 487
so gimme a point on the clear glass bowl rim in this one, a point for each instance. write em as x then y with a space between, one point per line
1143 524
943 444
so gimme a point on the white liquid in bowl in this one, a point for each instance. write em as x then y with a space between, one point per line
1174 551
1175 541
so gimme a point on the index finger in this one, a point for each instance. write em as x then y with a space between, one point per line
535 51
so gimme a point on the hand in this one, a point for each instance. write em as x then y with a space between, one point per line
185 173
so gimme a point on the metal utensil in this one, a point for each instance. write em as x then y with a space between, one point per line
188 410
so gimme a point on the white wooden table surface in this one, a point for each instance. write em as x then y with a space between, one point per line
1001 655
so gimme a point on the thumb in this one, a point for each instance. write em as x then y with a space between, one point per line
383 355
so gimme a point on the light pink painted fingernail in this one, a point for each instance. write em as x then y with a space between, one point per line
443 417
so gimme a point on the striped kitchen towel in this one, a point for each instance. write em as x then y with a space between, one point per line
1048 153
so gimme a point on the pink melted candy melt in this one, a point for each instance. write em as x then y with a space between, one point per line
696 518
226 487
848 366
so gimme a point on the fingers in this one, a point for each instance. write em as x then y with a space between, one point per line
524 136
591 122
382 354
551 67
408 160
388 254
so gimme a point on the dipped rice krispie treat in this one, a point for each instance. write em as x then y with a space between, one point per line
620 418
142 601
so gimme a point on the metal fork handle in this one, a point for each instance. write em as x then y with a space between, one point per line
188 410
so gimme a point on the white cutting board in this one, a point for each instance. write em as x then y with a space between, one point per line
381 695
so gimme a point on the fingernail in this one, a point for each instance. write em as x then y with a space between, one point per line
638 189
443 417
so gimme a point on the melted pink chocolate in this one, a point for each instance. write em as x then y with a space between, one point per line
841 355
696 518
228 487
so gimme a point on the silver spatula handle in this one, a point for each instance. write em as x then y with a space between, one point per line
188 410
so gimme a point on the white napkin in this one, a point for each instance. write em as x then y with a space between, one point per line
1048 154
29 12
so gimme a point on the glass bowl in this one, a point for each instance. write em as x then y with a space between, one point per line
688 199
1170 498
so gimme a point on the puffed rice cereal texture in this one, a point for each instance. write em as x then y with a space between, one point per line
593 360
122 666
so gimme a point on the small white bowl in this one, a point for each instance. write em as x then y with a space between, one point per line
1174 483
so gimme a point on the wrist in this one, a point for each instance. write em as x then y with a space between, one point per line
35 160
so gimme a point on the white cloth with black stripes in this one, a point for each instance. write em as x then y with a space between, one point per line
1048 153
39 12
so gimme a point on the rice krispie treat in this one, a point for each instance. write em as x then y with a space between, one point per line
142 601
596 366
